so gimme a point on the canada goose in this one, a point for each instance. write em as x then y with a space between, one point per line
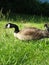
30 33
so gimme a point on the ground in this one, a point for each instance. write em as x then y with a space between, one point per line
16 52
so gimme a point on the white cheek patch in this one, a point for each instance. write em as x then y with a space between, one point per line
8 26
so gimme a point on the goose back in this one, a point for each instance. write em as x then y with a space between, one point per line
30 34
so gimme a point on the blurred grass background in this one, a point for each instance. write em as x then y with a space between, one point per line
16 52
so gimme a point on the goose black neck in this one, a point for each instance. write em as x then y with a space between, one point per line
16 28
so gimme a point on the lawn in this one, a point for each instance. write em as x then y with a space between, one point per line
16 52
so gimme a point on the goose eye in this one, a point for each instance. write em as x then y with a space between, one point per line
8 26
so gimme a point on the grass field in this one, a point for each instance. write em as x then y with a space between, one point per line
16 52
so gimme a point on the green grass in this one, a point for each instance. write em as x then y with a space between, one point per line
16 52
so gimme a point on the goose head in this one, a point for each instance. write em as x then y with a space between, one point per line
10 25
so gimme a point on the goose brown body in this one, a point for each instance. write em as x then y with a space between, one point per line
30 33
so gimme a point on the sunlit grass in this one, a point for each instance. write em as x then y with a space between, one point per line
16 52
